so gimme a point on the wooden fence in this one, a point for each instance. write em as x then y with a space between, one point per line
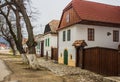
102 60
54 54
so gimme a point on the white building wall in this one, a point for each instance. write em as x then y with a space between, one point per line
53 43
39 44
80 32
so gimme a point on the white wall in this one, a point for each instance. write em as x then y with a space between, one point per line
39 44
79 32
53 43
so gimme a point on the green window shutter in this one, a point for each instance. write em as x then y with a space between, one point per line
48 42
45 42
64 35
68 35
38 46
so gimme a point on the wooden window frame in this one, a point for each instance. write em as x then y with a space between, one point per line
64 35
68 18
68 35
115 36
48 42
91 34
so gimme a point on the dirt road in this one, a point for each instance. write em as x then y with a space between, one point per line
21 73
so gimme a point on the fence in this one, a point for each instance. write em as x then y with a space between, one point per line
102 60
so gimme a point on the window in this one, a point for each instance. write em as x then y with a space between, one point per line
68 35
64 35
48 42
45 42
115 36
90 34
38 45
68 18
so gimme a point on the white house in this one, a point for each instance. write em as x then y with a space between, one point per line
40 45
50 37
95 24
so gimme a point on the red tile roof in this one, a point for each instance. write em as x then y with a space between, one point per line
93 11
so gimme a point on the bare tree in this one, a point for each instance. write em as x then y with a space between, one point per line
19 9
7 36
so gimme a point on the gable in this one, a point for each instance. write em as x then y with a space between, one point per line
86 12
47 29
69 17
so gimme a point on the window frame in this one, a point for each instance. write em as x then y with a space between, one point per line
48 42
115 35
91 34
68 35
64 36
68 18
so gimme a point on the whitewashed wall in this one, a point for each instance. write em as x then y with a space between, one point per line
53 43
80 32
39 44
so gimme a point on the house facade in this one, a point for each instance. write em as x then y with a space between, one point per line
50 37
40 45
96 24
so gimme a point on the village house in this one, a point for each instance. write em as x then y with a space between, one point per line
40 46
3 46
86 25
50 39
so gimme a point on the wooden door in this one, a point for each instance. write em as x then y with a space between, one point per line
42 48
119 64
66 57
52 53
79 57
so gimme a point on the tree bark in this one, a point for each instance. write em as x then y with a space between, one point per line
30 43
9 40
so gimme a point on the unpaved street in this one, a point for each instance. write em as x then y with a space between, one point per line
21 72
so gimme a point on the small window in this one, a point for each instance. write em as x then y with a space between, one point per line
116 36
48 42
90 34
68 35
64 35
45 42
68 18
38 45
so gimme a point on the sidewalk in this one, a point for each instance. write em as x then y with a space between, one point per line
116 79
64 70
4 71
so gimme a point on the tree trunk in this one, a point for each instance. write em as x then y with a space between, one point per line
30 43
9 40
13 48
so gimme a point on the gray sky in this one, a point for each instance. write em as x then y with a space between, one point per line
52 9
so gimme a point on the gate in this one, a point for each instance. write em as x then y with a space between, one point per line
54 54
102 60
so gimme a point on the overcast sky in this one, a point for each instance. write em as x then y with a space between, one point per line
52 9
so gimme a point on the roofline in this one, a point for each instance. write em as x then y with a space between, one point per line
88 22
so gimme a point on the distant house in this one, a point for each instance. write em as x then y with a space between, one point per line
50 37
3 46
40 45
86 25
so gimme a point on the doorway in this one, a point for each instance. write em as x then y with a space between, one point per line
79 57
65 57
42 48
